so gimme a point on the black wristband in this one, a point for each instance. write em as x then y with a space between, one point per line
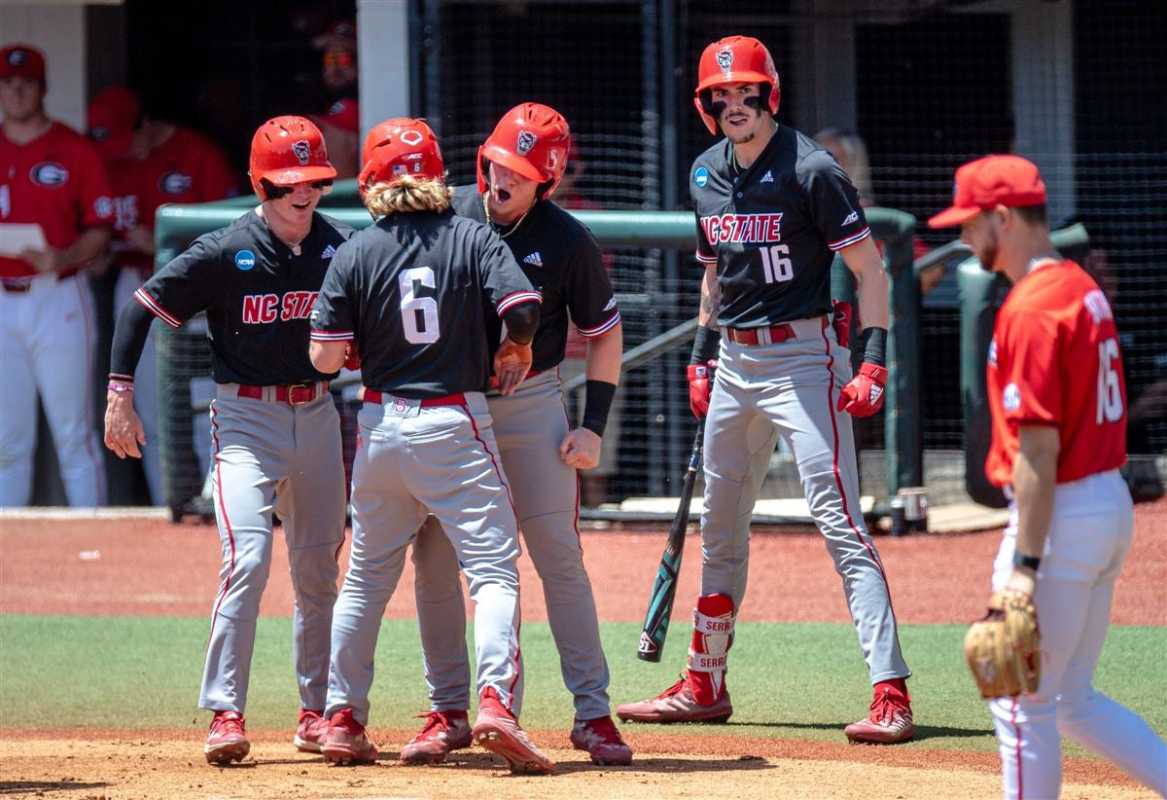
1026 562
873 342
597 404
705 345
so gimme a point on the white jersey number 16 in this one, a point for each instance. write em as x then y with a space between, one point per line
423 330
776 266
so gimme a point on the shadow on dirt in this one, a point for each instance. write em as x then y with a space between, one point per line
39 787
923 732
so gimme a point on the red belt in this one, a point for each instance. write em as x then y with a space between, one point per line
775 334
375 396
296 394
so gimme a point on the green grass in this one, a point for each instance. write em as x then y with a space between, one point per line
787 680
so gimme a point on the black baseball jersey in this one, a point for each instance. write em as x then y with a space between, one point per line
413 290
562 260
257 294
772 228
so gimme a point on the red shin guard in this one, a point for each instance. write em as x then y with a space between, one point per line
712 637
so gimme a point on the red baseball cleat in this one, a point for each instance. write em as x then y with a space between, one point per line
677 704
602 741
889 722
311 730
498 731
346 742
443 732
227 740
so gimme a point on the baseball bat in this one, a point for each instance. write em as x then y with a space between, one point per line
664 588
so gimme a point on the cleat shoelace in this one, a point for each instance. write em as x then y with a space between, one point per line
675 689
884 709
434 719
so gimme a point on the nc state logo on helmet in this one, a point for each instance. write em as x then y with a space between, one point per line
533 140
286 151
734 59
400 146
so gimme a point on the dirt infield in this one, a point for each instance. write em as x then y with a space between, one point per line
148 567
140 567
166 765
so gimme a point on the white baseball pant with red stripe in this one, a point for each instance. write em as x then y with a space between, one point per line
411 461
790 389
47 349
529 426
1089 536
269 455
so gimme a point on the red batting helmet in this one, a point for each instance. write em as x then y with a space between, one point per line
533 140
400 146
734 59
286 151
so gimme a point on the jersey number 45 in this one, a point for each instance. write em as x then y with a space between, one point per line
776 264
419 315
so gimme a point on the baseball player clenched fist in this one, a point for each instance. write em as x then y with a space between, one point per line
274 428
519 167
412 293
772 208
1058 406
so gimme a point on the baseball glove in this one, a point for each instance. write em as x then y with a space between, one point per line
1003 650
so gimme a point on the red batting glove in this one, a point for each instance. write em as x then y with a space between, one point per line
863 396
700 387
352 359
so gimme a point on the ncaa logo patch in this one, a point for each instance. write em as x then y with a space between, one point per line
526 142
175 183
49 173
17 57
701 177
302 150
245 260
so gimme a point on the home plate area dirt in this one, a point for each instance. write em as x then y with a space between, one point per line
168 765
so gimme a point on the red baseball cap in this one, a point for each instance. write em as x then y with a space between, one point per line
343 114
19 60
114 113
988 182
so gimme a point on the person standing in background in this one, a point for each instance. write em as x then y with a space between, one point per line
150 162
55 217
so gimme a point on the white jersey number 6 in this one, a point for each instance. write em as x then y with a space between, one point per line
419 315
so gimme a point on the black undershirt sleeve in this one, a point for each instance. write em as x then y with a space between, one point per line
129 338
522 321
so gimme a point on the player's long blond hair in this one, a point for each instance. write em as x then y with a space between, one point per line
406 195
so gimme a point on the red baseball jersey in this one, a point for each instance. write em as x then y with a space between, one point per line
1055 360
57 181
186 168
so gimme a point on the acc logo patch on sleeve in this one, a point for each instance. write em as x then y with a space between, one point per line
1011 398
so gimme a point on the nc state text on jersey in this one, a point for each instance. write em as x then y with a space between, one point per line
751 228
260 309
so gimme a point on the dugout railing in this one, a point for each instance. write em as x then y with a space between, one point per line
184 363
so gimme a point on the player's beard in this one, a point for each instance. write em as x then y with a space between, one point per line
751 132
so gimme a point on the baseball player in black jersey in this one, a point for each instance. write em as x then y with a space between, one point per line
772 208
413 292
519 167
274 428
